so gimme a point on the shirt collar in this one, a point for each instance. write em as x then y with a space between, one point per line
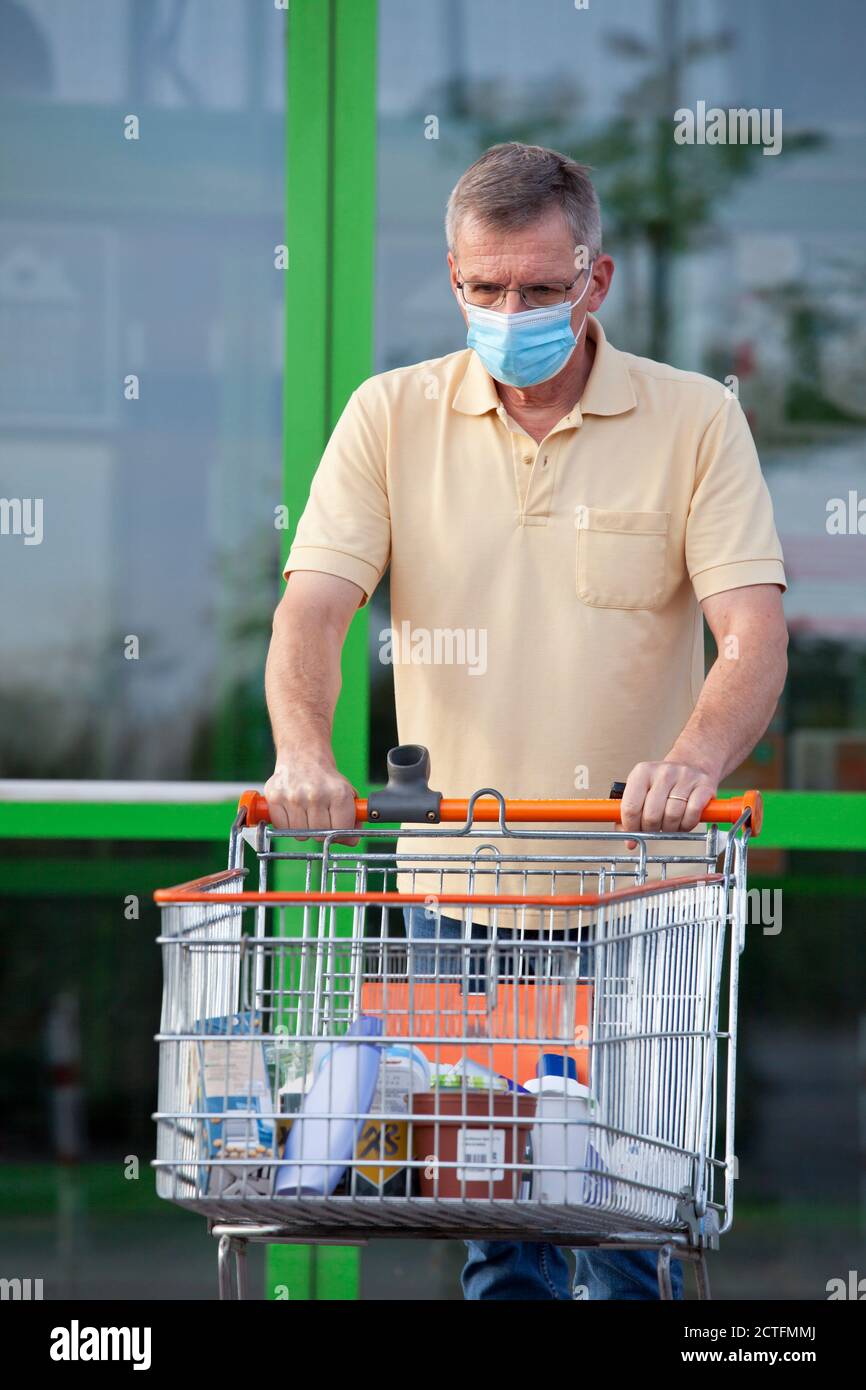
608 390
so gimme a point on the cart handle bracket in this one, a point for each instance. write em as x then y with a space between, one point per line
407 796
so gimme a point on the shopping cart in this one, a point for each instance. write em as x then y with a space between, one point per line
554 1063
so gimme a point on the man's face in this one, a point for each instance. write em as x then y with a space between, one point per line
540 254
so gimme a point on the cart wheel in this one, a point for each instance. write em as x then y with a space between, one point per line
229 1246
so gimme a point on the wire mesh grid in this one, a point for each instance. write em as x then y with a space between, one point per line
324 1069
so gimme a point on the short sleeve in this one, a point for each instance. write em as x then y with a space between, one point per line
731 538
345 528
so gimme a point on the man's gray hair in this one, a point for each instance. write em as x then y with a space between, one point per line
512 185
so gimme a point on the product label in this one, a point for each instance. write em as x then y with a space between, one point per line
379 1140
234 1068
230 1082
481 1150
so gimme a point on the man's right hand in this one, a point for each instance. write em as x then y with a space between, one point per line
306 793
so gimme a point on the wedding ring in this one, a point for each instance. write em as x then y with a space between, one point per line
677 798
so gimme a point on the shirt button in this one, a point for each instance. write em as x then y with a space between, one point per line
527 458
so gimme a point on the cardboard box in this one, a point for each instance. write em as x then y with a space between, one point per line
231 1083
544 1017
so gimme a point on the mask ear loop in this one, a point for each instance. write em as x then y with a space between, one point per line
588 282
586 286
579 298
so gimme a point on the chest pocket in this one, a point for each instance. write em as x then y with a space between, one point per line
621 558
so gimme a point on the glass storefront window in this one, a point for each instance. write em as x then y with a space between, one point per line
140 340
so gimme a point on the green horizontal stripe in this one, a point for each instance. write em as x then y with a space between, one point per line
85 820
89 877
48 876
813 885
792 820
814 820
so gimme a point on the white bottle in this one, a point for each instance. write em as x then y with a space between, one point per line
559 1139
322 1138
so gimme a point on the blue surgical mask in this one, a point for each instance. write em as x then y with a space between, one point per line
527 348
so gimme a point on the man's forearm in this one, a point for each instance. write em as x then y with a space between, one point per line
306 791
735 706
302 683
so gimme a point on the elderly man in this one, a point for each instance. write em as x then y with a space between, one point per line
581 507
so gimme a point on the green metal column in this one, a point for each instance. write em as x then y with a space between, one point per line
330 231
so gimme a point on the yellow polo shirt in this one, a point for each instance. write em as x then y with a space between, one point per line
547 633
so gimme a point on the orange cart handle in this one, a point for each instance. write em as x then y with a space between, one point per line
719 811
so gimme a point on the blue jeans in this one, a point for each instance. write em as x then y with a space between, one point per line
534 1269
498 1269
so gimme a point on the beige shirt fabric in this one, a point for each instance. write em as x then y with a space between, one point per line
545 597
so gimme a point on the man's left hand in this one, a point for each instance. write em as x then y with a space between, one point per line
666 796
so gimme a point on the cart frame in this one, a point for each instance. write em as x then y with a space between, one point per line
700 1219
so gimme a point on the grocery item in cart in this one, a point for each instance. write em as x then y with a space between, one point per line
641 1161
561 1132
322 1138
230 1082
290 1067
467 1072
598 1187
479 1024
467 1141
383 1143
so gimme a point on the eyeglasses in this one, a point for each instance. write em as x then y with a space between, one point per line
484 295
